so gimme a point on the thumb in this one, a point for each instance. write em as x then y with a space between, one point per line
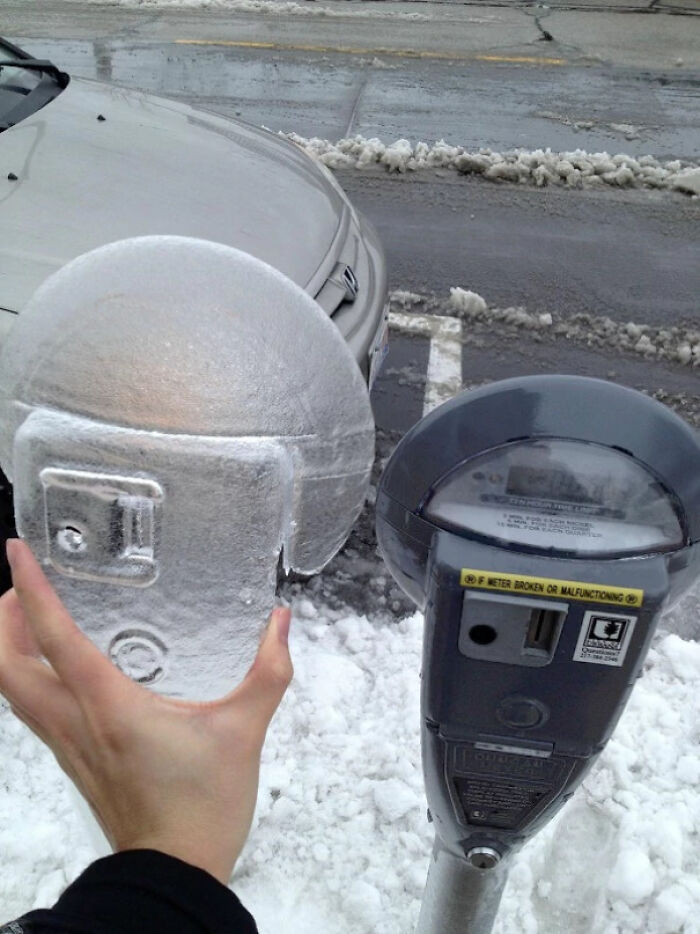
270 674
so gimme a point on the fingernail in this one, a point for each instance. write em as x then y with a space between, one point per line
11 550
283 619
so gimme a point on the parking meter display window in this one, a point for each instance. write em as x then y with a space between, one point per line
575 497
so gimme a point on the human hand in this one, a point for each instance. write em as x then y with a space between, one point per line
158 773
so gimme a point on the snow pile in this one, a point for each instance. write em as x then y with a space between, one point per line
43 843
379 63
262 6
684 618
467 303
665 342
539 167
471 305
342 838
646 786
341 842
403 300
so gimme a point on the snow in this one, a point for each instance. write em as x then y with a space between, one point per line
628 130
340 840
677 343
688 181
538 167
633 877
469 303
276 7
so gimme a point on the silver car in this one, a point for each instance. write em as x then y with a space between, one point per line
83 163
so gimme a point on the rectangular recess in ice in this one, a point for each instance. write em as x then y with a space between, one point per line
220 507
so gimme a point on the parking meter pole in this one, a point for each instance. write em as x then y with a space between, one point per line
459 897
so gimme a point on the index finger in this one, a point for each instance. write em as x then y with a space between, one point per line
74 658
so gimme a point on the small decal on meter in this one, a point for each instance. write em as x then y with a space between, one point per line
604 638
546 586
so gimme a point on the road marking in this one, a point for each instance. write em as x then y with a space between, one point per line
397 53
443 378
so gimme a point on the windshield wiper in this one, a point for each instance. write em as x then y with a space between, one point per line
50 85
38 64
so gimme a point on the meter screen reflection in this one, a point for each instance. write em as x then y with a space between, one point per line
575 496
560 485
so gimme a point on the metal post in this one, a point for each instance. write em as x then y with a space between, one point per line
462 895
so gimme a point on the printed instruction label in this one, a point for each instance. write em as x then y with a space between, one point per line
539 526
550 587
604 638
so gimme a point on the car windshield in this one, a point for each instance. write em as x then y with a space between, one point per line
25 84
16 80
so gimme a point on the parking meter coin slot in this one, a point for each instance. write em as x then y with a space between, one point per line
518 747
541 631
513 630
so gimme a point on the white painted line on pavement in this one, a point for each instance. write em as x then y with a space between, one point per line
412 324
443 378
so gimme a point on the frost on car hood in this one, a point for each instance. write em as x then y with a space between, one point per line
153 166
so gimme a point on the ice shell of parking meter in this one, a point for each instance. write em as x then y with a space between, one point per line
174 415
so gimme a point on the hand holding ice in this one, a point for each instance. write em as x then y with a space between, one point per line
174 415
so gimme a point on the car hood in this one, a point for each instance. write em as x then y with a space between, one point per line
154 166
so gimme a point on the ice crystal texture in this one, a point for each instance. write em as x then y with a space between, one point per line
174 415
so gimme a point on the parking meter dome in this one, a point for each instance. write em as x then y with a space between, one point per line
175 413
560 466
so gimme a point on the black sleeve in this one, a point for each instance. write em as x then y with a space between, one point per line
140 892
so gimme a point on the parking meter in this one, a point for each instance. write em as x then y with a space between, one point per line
176 418
543 524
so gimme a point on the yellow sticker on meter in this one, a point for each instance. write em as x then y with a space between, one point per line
549 587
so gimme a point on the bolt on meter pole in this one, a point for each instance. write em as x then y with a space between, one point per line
462 896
